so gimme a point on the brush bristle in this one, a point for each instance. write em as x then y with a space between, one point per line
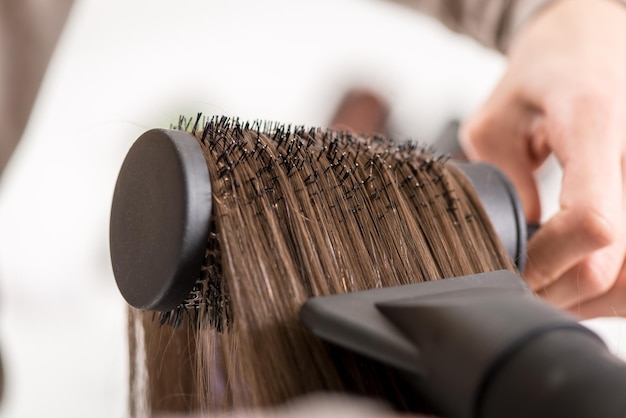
350 160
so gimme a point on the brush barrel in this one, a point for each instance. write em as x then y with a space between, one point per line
503 206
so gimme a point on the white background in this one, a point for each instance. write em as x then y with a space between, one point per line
123 67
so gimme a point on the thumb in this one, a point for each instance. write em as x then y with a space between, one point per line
503 137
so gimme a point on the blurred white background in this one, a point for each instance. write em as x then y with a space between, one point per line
123 67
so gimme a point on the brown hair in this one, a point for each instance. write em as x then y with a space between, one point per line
298 213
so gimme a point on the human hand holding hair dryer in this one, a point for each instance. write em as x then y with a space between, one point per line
564 92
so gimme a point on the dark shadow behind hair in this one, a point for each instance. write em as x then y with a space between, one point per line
300 213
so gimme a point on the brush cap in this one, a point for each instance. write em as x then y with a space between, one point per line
160 219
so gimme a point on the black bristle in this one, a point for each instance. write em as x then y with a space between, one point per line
187 123
351 164
195 124
205 132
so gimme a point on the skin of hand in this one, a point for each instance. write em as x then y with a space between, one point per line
564 92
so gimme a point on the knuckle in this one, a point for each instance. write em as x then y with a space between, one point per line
592 99
596 228
591 89
594 278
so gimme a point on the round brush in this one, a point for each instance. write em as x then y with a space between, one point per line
160 217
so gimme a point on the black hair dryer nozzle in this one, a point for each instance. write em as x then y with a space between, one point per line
479 346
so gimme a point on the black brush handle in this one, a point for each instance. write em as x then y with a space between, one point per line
531 229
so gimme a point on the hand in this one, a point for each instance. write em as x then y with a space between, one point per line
564 92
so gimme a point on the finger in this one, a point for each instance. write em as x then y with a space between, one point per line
562 244
596 275
499 134
592 277
612 303
591 201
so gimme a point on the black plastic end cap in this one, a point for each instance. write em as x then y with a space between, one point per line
160 219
